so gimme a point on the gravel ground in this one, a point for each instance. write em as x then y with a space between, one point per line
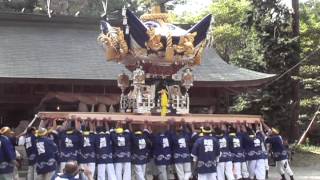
306 166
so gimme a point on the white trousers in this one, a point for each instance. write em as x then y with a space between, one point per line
207 176
151 170
46 176
103 168
284 167
183 170
225 169
139 171
123 171
257 168
240 170
32 173
15 173
162 172
266 163
90 166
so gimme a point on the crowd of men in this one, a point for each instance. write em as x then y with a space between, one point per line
171 150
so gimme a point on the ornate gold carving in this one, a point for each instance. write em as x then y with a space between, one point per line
169 49
185 45
111 48
122 43
116 46
154 42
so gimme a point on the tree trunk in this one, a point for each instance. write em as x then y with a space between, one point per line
296 18
295 84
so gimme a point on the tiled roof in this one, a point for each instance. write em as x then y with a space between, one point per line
69 50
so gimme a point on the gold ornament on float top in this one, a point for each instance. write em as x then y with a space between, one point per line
122 43
155 15
185 45
154 42
116 46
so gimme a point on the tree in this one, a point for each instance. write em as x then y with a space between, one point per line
310 69
280 49
228 36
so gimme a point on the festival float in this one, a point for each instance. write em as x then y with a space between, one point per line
155 51
160 57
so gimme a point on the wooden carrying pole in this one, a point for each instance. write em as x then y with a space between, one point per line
31 123
309 126
137 119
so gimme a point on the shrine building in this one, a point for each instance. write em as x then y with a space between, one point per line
57 65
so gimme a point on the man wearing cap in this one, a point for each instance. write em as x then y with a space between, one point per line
279 151
264 147
141 147
13 139
121 152
104 153
47 151
7 155
240 168
205 153
254 155
69 143
87 156
161 150
181 144
29 142
224 167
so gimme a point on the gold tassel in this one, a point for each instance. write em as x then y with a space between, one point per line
122 43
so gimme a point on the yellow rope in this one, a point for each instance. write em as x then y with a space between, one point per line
169 49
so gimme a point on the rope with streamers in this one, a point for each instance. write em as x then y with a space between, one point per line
105 5
169 49
48 8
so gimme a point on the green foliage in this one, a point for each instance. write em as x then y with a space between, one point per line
308 149
229 12
311 84
145 5
310 25
310 102
226 33
310 70
272 21
277 51
250 55
257 35
228 36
